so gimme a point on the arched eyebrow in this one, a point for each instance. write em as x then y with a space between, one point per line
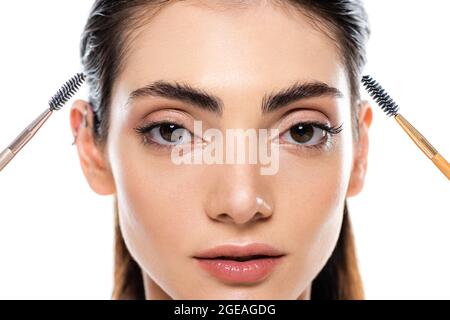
206 101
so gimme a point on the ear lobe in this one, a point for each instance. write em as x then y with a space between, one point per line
93 159
356 180
361 148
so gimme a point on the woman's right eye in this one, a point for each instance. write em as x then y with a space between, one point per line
165 134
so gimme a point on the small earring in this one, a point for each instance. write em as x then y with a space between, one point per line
74 140
84 123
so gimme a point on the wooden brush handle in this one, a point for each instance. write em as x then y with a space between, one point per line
442 164
424 145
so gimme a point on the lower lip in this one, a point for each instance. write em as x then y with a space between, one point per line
240 271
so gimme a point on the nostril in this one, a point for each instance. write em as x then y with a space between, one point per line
223 216
258 216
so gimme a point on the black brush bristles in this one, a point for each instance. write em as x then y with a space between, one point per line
380 96
66 92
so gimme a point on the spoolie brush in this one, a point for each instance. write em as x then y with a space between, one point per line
389 106
66 92
56 103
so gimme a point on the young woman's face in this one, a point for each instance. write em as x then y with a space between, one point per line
170 212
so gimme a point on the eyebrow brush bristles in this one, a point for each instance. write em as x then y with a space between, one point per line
388 105
56 102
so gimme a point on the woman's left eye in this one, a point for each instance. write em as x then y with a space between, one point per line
308 134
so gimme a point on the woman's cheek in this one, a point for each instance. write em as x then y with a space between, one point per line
159 200
312 212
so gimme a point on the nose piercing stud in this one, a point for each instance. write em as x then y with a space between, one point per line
264 204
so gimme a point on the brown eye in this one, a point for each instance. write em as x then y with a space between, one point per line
168 134
167 130
305 134
302 133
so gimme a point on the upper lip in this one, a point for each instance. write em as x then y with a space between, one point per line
253 249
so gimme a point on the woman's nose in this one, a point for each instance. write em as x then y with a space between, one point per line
239 196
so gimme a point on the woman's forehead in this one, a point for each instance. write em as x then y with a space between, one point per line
251 51
212 47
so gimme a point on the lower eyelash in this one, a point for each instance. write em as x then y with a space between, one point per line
146 142
327 144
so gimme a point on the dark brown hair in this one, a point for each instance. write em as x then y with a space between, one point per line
104 44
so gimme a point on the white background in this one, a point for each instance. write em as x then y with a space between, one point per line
56 235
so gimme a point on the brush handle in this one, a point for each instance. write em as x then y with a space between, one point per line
424 145
5 157
442 164
22 139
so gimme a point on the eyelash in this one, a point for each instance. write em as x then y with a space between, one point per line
326 143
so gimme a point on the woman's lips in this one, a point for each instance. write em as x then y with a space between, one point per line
240 264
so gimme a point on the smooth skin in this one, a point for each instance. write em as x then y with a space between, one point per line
167 212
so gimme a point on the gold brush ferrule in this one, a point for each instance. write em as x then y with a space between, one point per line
424 145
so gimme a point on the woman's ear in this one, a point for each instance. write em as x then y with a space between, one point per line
93 159
361 147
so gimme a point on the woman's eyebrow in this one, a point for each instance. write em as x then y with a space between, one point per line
209 102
